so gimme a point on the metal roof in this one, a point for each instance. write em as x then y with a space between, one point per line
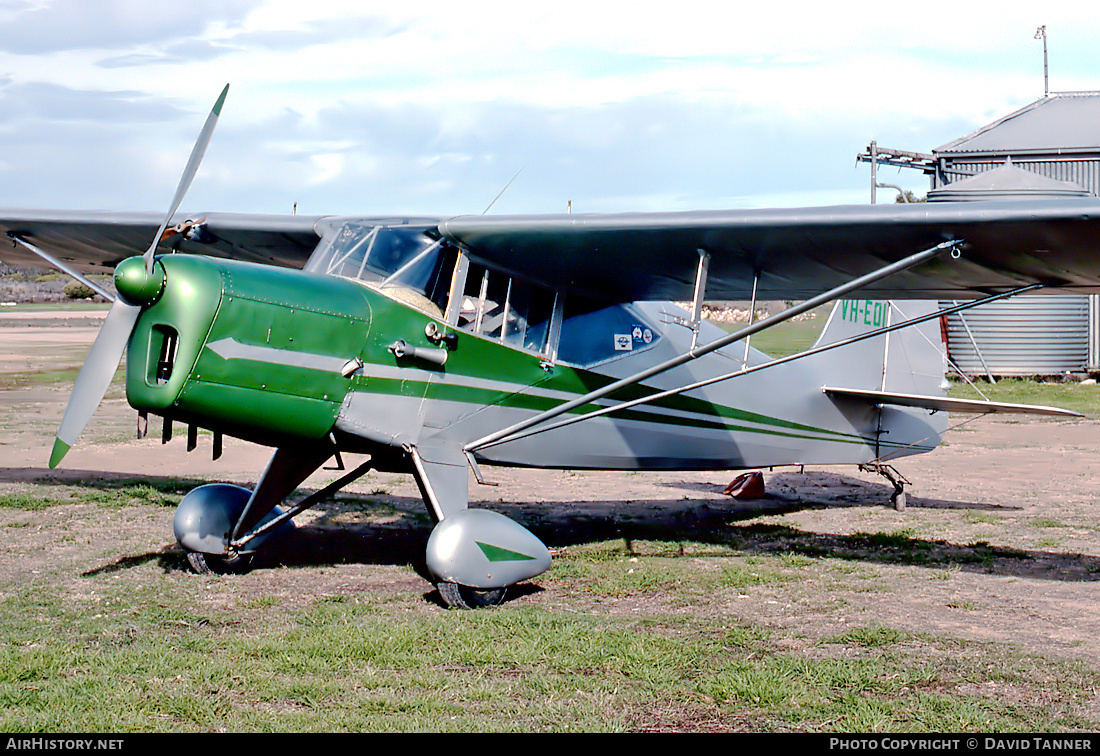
1061 123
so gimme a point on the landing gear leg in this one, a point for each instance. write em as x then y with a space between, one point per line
897 498
473 555
443 485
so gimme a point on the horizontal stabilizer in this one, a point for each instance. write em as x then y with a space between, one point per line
947 404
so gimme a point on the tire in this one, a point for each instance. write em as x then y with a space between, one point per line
457 596
217 564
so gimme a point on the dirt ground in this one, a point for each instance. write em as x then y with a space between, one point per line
1003 517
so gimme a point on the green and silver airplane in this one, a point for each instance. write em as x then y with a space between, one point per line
437 345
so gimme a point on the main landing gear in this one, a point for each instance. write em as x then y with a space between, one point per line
464 597
221 527
202 524
216 564
473 555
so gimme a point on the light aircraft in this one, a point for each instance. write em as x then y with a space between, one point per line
438 345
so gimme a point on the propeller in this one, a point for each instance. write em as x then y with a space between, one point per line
137 288
188 173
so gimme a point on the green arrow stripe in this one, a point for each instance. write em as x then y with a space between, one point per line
497 554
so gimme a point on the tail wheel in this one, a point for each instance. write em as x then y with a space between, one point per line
218 564
464 597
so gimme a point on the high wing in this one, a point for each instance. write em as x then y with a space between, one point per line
797 253
792 253
96 241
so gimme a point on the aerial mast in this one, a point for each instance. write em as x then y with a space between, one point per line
1041 33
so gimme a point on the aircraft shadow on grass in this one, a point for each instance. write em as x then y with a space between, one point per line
383 529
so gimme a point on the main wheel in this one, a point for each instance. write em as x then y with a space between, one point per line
203 520
464 597
218 564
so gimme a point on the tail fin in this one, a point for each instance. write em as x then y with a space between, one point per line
901 372
908 361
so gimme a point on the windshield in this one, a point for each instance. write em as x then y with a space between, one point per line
409 263
369 252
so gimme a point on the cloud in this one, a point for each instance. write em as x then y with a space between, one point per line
41 102
649 153
204 46
171 53
433 107
55 25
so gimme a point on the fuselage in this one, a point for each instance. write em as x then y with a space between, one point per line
438 348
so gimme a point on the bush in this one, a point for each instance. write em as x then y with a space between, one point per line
77 290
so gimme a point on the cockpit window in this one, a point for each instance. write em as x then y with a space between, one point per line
412 264
594 332
506 309
369 252
425 280
408 262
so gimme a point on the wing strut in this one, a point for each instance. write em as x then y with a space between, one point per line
697 297
790 358
63 267
692 354
752 317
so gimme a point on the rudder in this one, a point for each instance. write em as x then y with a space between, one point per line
909 360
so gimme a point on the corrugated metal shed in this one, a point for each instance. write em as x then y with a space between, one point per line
1057 137
1026 335
1048 148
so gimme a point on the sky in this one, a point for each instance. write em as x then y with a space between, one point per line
363 108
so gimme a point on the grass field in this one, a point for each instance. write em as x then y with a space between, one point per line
136 645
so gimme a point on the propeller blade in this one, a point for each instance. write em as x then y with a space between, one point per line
110 344
188 174
95 376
